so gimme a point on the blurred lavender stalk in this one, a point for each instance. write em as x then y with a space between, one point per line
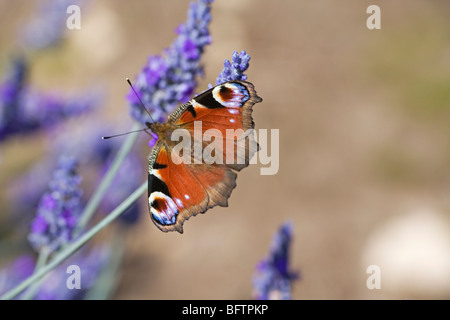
24 109
272 278
92 152
10 92
59 209
48 25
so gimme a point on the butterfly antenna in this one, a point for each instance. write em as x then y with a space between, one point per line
142 104
122 134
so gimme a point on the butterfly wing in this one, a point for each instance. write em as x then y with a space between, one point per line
179 190
226 110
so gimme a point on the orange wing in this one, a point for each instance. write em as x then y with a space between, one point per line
180 190
224 109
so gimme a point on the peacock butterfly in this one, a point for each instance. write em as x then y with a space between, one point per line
179 189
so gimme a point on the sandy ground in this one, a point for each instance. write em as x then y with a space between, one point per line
363 139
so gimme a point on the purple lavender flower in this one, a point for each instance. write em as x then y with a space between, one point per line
10 92
47 109
49 24
235 69
272 278
16 272
170 79
24 109
59 209
81 140
84 142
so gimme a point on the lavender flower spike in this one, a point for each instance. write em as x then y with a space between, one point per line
235 69
10 91
272 279
24 109
59 209
48 26
170 79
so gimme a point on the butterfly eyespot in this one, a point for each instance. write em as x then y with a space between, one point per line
163 209
225 93
157 204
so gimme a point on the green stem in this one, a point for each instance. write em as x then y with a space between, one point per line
74 246
99 193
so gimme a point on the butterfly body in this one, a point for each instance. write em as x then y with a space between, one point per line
183 186
163 131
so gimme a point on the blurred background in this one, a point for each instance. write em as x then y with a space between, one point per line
364 146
